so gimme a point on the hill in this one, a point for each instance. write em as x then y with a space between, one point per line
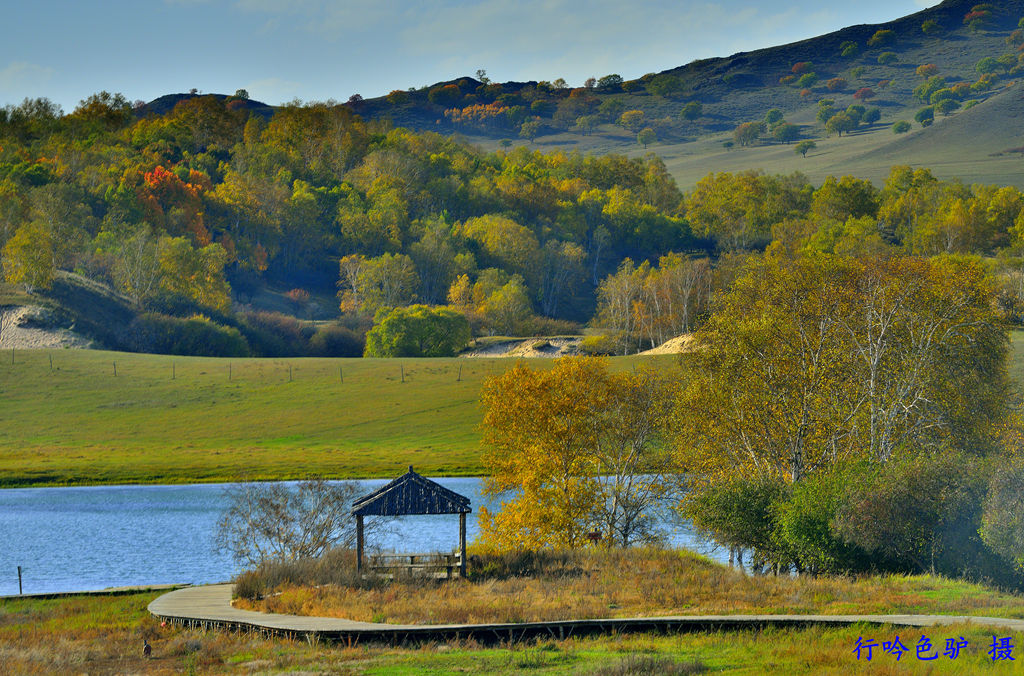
741 88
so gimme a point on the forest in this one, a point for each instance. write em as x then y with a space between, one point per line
193 214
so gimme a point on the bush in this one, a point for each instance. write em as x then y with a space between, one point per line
901 127
886 58
336 341
196 336
882 37
272 334
599 345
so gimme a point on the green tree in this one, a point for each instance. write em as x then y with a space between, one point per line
901 127
646 136
803 147
692 111
417 331
786 132
839 123
925 117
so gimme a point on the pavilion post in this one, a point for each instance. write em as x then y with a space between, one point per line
462 545
359 543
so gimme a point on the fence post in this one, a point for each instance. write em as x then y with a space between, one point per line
20 593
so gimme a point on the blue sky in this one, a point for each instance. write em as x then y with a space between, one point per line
280 50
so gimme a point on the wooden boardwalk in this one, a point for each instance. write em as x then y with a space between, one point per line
210 607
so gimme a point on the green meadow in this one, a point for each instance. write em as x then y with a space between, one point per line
105 418
169 419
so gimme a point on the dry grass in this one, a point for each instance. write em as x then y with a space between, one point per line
624 583
103 635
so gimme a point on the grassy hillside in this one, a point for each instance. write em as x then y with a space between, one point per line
164 419
742 87
182 419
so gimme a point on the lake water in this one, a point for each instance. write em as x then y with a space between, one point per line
72 539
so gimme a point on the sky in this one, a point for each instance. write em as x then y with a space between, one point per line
315 50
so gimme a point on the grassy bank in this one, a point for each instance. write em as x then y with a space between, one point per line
590 584
164 419
103 635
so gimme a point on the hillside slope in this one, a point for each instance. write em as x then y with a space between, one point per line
743 87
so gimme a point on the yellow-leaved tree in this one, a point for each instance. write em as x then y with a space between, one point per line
571 450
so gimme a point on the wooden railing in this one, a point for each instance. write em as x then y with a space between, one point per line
416 564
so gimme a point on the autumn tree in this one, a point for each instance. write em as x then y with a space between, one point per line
748 133
569 450
28 257
840 359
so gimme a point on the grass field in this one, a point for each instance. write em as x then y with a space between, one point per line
165 419
100 635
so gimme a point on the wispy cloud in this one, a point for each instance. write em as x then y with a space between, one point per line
22 75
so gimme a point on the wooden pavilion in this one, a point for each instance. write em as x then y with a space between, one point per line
411 494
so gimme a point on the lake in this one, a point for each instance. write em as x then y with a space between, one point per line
83 538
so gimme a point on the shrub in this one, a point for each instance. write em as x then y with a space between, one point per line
600 345
886 58
195 336
971 103
901 127
925 117
848 49
801 67
807 80
835 84
931 27
773 116
272 334
864 93
882 37
947 106
926 70
692 110
787 79
336 341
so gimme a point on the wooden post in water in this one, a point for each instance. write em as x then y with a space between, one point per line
19 582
